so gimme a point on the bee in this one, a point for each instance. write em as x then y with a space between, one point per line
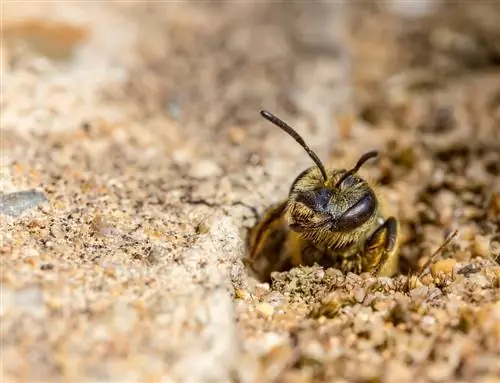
331 217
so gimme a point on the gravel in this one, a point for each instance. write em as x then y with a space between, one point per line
133 163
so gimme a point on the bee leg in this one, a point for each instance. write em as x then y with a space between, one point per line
384 242
353 264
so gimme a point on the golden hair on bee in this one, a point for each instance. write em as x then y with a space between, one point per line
331 217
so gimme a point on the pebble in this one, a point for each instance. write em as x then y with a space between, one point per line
426 280
276 299
242 294
480 280
181 156
359 294
414 282
205 169
29 300
428 324
439 371
445 266
468 232
266 343
397 371
265 309
314 351
15 204
125 317
275 362
261 289
419 293
237 135
496 272
495 203
481 246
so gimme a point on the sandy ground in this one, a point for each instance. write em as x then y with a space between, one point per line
133 158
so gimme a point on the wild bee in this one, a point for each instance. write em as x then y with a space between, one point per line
332 217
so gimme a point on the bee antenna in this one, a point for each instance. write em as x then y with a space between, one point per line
365 157
288 129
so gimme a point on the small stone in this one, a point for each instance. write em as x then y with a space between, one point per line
360 324
397 371
481 246
439 371
493 378
15 204
203 227
181 156
469 269
265 309
359 294
377 331
462 255
29 300
261 289
236 135
468 233
101 227
419 293
496 272
241 294
428 324
314 351
382 305
445 266
298 376
495 203
276 361
125 317
472 213
414 282
266 343
46 266
479 279
276 299
205 169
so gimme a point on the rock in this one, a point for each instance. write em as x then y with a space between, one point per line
481 246
213 358
480 280
276 299
265 309
359 294
204 169
444 266
428 324
237 135
29 300
16 203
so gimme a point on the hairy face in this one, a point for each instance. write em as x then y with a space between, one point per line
318 205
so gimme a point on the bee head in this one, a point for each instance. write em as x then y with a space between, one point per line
345 202
334 200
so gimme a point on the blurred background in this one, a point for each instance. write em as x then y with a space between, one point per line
133 155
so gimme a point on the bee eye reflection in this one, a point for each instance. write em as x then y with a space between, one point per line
357 214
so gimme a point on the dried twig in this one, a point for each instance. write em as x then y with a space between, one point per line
433 256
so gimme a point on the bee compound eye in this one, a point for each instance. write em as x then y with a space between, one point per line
357 214
348 181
